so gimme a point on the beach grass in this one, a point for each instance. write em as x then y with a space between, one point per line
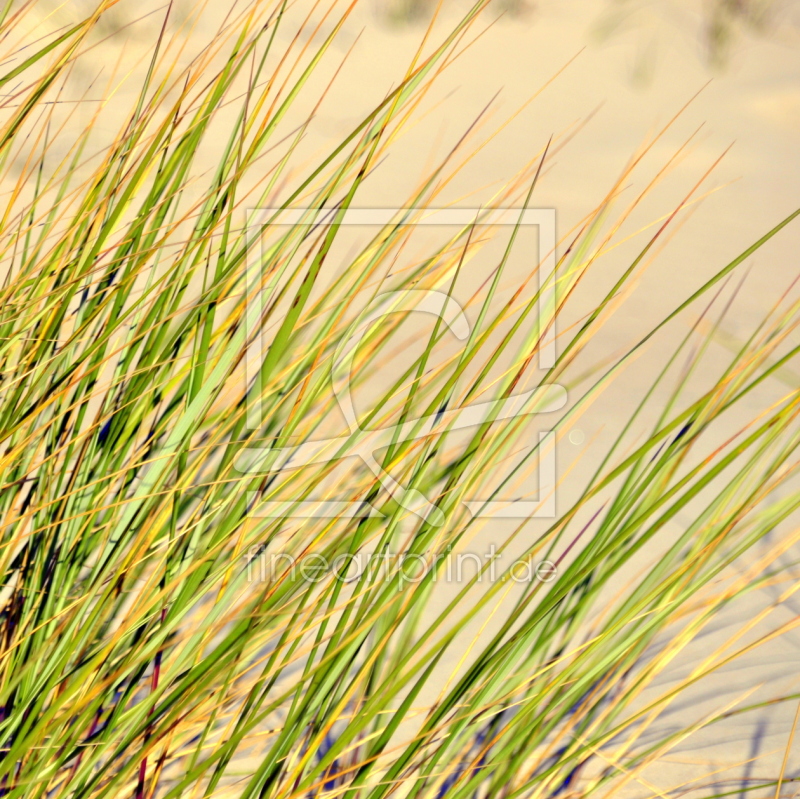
149 647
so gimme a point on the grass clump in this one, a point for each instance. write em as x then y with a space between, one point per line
142 653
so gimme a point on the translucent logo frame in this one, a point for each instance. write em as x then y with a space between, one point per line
364 443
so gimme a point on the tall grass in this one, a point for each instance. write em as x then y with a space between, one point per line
142 653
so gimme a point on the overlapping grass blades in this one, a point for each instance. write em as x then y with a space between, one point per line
140 657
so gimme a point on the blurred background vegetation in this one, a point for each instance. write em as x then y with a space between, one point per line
715 24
